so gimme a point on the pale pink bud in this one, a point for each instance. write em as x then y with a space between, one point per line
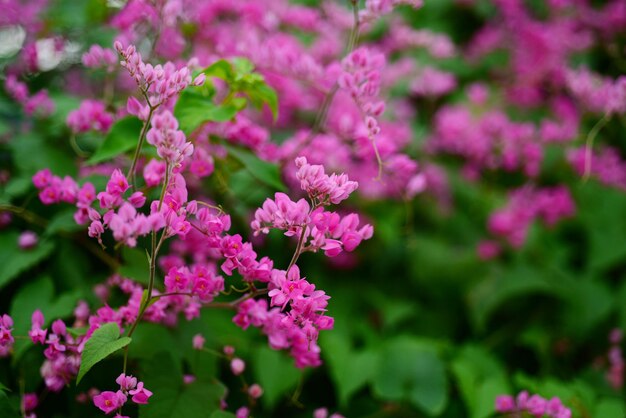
237 366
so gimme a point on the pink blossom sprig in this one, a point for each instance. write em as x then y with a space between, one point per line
91 115
98 57
109 401
159 82
535 405
36 104
527 204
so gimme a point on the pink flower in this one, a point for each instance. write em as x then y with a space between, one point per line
237 366
109 401
198 341
140 394
255 391
27 240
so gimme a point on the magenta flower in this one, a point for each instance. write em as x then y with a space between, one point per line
109 401
140 395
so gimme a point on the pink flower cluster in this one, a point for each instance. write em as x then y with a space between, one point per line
39 103
322 188
98 57
526 204
598 94
198 281
322 229
534 405
53 189
91 115
62 352
361 79
29 403
6 336
433 83
162 82
489 142
171 143
606 165
297 329
109 401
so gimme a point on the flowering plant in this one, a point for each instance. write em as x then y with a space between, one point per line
216 208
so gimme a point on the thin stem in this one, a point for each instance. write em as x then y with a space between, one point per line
378 159
35 219
354 34
298 251
142 137
320 119
153 256
589 144
162 295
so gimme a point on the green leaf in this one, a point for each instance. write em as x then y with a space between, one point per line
136 265
8 406
102 343
122 137
411 370
261 93
31 153
193 109
63 222
263 171
480 379
349 369
14 260
274 373
220 69
610 408
174 399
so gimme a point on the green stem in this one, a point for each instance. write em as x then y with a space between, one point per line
142 136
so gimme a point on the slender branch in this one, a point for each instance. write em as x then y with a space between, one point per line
142 137
589 144
298 251
153 256
35 219
321 116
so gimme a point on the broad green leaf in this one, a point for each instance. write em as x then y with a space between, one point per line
519 280
9 406
14 260
63 222
103 342
220 69
193 109
480 379
411 370
123 136
17 187
136 265
349 369
610 408
31 153
263 171
261 93
275 373
174 399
